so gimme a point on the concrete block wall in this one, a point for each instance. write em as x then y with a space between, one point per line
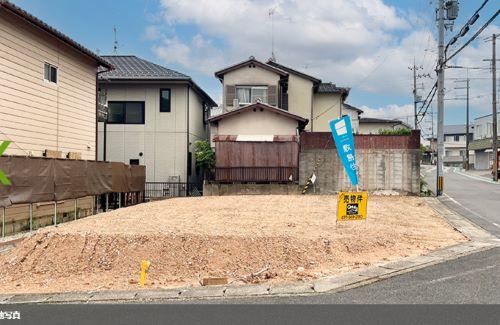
218 189
396 170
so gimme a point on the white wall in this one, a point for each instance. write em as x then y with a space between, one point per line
483 127
163 139
373 128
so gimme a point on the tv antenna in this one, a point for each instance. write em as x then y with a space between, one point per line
115 44
271 15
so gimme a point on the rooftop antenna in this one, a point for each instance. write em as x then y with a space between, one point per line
271 15
115 45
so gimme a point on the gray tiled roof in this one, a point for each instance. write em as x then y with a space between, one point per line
347 106
378 120
328 87
132 67
456 129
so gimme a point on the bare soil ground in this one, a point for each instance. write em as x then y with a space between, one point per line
187 239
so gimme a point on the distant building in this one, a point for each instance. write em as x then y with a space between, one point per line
482 143
371 125
355 114
455 144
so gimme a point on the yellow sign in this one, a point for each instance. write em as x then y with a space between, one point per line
352 206
144 269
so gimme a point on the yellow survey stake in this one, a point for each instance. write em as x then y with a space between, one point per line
352 206
144 270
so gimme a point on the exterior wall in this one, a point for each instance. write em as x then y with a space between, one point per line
246 76
454 151
386 163
354 115
300 94
257 123
217 189
163 137
37 115
483 127
326 107
373 128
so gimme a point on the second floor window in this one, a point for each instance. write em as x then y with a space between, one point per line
126 112
251 94
50 73
164 100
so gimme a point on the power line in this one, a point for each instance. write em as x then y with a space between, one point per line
473 37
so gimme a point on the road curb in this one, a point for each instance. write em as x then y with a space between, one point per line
480 240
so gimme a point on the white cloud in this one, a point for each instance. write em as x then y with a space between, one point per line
404 113
198 55
364 44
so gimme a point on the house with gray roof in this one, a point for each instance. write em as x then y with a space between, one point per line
283 87
154 117
455 145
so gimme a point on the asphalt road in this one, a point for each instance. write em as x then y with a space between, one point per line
471 279
474 198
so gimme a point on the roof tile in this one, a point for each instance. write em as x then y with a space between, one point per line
132 67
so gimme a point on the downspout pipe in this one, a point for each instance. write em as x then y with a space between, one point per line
187 136
97 119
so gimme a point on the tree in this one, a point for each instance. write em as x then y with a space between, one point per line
205 156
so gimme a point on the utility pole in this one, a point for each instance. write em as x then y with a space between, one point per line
440 98
467 157
494 102
467 130
415 99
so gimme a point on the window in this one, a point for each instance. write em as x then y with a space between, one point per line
251 94
126 112
164 100
456 138
50 73
134 162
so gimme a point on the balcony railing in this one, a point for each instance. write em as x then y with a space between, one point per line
256 174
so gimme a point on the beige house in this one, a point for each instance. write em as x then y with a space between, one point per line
47 88
257 122
155 115
282 87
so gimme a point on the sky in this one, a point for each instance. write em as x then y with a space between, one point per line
366 45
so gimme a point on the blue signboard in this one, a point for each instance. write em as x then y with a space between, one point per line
344 141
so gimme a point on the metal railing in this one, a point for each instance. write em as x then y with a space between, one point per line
257 174
156 190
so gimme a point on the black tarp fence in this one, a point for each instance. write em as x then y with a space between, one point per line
36 179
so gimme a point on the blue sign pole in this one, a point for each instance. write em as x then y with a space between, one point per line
344 141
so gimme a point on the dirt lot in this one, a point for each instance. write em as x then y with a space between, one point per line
187 239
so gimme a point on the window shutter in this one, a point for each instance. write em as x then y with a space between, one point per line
284 101
230 95
272 95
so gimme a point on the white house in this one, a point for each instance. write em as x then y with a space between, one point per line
482 143
155 115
